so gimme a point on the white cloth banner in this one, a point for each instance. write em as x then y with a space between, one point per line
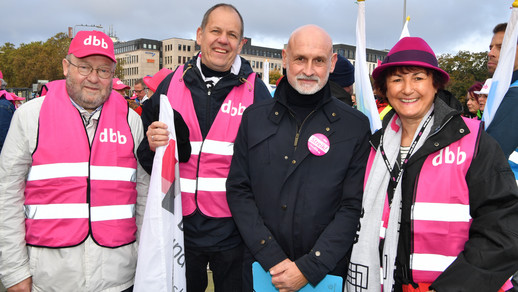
405 32
364 95
161 259
504 71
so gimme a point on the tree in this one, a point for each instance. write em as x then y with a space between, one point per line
274 76
35 61
465 68
119 70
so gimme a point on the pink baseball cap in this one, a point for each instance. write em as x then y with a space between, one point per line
119 85
153 82
1 75
87 43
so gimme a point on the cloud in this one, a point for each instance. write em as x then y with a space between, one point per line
447 25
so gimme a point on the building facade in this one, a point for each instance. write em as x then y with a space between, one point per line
177 52
139 58
349 52
257 56
143 57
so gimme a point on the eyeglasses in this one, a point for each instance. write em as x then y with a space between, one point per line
85 70
139 91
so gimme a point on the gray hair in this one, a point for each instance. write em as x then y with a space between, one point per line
3 84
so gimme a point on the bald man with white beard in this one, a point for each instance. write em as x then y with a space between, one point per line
296 178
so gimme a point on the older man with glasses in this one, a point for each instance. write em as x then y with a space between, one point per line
141 91
72 194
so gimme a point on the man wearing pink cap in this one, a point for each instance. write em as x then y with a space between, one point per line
73 193
120 87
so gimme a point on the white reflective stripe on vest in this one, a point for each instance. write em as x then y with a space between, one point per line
212 184
113 173
58 170
441 212
56 211
113 212
430 262
204 184
195 148
218 147
188 185
75 211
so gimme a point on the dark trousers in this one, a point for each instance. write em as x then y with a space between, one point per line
226 267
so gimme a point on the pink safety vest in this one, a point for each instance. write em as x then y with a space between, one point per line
441 215
203 177
73 190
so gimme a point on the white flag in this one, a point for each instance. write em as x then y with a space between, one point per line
161 259
364 95
266 72
405 32
504 70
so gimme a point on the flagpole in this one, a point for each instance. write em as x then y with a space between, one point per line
404 13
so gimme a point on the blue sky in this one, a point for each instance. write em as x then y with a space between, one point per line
447 25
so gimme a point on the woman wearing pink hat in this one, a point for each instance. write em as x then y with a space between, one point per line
440 201
473 107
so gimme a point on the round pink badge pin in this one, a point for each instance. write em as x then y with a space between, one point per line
318 144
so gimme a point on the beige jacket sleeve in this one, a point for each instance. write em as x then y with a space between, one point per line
15 162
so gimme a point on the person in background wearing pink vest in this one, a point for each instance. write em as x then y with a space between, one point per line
72 195
295 184
440 201
209 94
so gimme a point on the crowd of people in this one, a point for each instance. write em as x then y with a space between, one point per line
297 182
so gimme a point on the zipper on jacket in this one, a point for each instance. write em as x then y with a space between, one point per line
299 128
197 177
440 128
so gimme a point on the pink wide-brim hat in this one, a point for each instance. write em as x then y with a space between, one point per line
410 51
153 82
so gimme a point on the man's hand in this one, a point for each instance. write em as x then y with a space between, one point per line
287 277
157 135
23 286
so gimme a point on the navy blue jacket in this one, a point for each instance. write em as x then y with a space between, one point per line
504 124
289 203
6 114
